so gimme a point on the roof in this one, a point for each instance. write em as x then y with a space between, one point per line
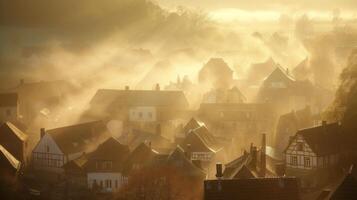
78 163
79 137
9 128
156 139
179 160
14 163
192 124
323 139
200 140
258 71
8 99
346 190
142 154
257 188
105 97
280 73
109 150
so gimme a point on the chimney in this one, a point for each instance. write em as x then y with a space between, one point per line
219 173
157 87
127 87
188 151
158 129
22 81
263 156
253 153
42 132
323 123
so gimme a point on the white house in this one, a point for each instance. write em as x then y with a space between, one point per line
58 146
105 166
313 150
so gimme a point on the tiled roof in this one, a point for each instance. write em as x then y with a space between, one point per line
10 158
79 137
140 98
249 189
9 128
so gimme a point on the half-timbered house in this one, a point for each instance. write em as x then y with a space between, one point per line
58 146
313 150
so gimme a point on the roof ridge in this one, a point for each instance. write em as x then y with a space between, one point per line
74 125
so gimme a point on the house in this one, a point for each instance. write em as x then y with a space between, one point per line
143 109
8 107
216 74
282 90
233 95
105 166
282 188
258 71
242 120
9 167
60 145
15 141
141 157
256 163
76 173
313 152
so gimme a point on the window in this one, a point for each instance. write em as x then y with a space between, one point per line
150 115
307 162
101 184
8 112
300 146
116 183
294 160
140 115
94 183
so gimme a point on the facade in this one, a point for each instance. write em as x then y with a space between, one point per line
313 151
15 141
105 166
61 145
216 74
8 107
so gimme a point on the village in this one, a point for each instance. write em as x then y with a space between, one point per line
263 137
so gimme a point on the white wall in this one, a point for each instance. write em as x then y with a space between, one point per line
143 113
54 152
102 176
306 152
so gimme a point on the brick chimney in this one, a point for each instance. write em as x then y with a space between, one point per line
253 153
42 132
263 156
219 171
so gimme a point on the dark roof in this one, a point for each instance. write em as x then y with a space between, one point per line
346 190
79 137
323 139
192 124
9 128
156 139
200 140
179 160
143 155
248 189
9 159
105 97
110 150
8 99
77 164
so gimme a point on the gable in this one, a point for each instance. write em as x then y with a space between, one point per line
293 147
45 141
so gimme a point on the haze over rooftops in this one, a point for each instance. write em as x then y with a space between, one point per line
107 97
